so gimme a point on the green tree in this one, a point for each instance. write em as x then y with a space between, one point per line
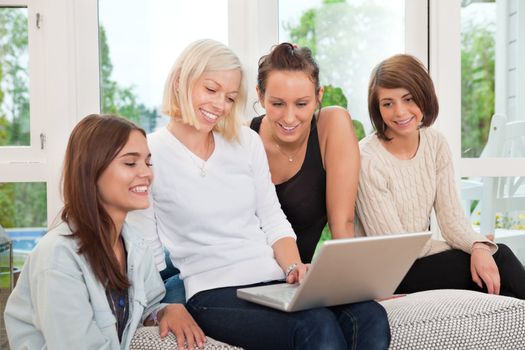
117 99
477 86
14 112
334 96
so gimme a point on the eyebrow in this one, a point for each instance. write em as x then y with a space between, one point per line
390 98
133 154
299 98
216 83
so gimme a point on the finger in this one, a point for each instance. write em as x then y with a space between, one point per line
488 282
190 338
179 334
475 277
199 335
497 283
163 329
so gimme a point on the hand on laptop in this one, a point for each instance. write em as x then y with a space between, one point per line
297 274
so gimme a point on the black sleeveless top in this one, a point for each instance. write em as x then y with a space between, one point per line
303 196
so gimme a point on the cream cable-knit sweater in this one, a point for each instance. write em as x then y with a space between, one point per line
397 196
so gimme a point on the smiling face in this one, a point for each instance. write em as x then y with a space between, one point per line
124 184
399 112
214 95
290 101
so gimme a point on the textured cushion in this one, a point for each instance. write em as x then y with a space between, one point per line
147 338
456 319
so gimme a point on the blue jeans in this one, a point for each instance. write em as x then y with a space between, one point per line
175 292
223 316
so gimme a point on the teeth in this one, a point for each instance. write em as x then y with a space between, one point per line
403 122
209 115
288 128
140 189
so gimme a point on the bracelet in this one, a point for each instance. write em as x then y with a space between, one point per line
290 268
154 316
482 246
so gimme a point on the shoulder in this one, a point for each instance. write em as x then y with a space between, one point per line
57 249
156 138
369 147
248 137
433 136
437 145
333 117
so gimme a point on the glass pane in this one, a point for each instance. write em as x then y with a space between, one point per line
23 215
14 78
348 38
492 88
138 49
496 205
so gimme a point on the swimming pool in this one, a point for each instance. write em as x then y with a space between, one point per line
25 239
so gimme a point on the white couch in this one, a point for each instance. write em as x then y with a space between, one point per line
438 319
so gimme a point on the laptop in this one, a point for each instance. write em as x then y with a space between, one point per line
345 271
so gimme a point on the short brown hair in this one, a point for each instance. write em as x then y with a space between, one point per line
407 72
94 143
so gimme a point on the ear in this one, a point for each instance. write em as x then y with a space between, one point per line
320 95
260 96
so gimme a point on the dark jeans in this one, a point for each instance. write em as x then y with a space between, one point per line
174 286
223 316
451 270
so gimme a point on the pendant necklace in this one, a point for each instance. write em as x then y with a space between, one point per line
291 156
195 159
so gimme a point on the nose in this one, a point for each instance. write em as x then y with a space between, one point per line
289 116
218 102
146 173
400 109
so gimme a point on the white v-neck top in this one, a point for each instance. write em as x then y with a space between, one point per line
219 228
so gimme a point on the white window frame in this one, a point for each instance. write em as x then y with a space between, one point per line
64 81
63 59
35 152
445 68
254 29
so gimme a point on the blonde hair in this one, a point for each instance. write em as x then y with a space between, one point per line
201 56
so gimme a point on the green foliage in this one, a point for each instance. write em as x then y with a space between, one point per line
117 99
334 96
477 86
23 204
14 112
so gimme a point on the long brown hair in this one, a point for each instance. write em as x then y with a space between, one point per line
407 72
94 143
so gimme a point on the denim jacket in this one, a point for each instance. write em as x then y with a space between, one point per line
59 304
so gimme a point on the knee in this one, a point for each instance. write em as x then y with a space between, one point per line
377 321
319 329
504 254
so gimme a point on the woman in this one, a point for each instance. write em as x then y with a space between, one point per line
215 209
90 281
406 172
313 156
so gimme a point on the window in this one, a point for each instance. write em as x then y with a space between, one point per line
348 38
137 50
14 78
23 214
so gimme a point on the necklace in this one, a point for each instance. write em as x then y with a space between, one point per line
291 156
195 159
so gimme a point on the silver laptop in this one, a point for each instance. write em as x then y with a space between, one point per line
345 271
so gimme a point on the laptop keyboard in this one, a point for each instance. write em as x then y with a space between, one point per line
285 293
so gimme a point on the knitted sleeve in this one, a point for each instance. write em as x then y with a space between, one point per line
455 227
